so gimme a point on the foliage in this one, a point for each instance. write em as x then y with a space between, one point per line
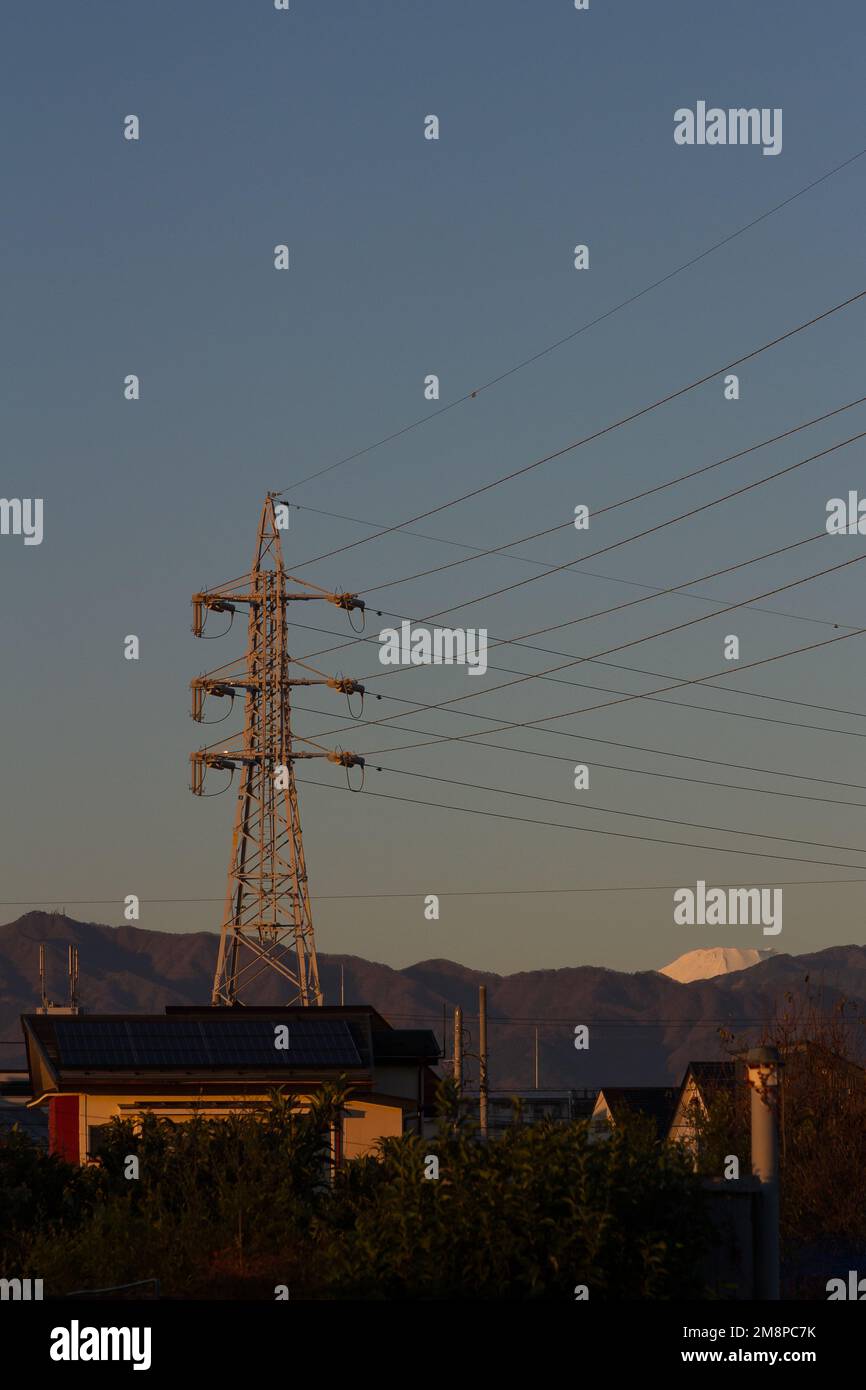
530 1214
232 1207
212 1196
242 1203
822 1121
37 1191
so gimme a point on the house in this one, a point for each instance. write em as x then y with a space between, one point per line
89 1069
702 1082
615 1103
835 1078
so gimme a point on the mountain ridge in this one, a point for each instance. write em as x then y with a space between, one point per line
644 1026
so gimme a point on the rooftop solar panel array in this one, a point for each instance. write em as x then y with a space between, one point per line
137 1043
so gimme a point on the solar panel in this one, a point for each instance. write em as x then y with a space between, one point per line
204 1042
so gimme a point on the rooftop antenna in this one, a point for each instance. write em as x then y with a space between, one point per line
47 1005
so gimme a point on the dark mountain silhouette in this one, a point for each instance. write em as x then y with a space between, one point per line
644 1027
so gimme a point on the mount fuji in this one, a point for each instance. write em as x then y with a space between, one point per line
711 961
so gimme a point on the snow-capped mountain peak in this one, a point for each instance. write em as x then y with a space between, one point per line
712 960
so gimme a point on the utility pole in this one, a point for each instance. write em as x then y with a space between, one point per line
267 918
458 1049
536 1056
482 1057
763 1068
42 990
73 978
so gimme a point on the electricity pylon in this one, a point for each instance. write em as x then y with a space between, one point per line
267 922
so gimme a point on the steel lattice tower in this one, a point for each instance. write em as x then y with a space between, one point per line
267 922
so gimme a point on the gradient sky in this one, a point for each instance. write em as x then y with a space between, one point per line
410 257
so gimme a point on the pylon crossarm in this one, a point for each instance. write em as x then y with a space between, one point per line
224 603
230 757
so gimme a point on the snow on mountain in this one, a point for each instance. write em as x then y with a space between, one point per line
711 961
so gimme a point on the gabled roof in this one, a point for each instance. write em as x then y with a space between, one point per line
713 1071
708 1076
658 1102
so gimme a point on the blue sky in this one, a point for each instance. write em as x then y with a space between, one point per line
411 257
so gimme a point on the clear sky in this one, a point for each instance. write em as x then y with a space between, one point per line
408 257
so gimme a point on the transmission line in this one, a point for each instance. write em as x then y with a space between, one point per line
596 434
600 318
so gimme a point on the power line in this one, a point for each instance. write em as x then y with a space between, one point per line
522 1021
542 564
635 641
631 603
648 531
589 438
649 694
614 811
674 777
570 563
450 892
609 690
669 776
543 352
583 830
623 1022
644 671
574 561
664 632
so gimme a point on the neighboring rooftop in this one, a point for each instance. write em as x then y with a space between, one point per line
658 1102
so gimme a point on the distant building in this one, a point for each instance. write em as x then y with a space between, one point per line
15 1095
614 1103
702 1082
89 1069
532 1107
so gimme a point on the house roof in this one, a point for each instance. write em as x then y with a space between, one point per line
819 1053
215 1046
658 1102
709 1075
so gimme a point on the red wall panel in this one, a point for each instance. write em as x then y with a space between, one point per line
63 1127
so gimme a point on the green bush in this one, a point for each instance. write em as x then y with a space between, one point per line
530 1214
232 1207
38 1191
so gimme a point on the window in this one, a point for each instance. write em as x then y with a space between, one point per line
96 1135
